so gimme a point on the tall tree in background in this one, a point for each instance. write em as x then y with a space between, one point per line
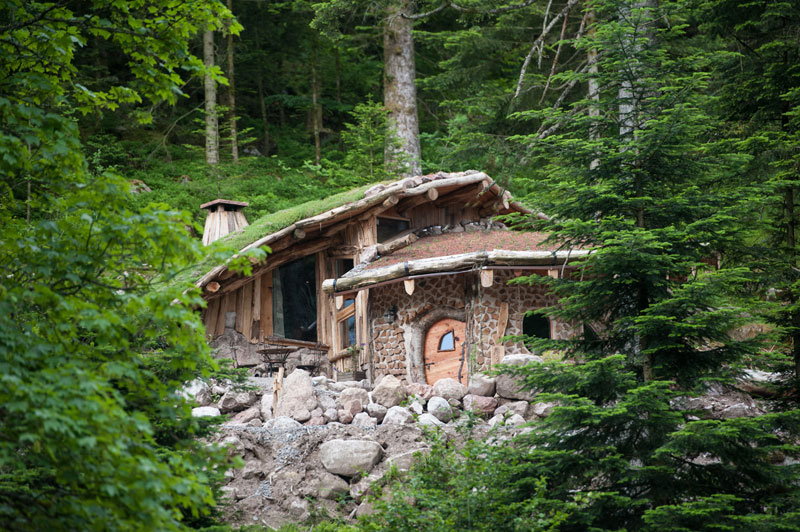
400 91
93 434
759 78
232 93
634 176
210 93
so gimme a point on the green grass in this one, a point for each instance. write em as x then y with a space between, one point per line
266 225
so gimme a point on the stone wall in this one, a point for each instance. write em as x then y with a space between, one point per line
398 320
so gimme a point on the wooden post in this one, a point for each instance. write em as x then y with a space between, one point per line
487 278
277 388
409 286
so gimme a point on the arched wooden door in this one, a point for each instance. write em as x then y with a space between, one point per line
444 351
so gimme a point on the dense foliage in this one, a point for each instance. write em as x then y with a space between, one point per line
662 134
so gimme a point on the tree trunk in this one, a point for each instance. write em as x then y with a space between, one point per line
232 94
264 121
212 127
316 109
402 153
629 97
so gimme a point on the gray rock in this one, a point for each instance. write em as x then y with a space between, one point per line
299 508
320 380
390 392
354 394
509 387
515 407
440 408
282 423
416 407
326 401
297 399
449 389
404 461
349 457
364 509
422 390
236 401
266 406
480 404
364 420
234 445
377 411
328 486
341 386
245 416
192 388
397 415
330 415
205 411
253 469
543 409
480 384
515 420
429 420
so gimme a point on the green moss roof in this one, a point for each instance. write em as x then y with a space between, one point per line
266 225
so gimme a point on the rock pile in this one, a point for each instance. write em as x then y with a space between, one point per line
328 442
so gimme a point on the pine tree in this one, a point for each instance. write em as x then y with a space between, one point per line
635 176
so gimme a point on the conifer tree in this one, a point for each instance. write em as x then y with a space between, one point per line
634 176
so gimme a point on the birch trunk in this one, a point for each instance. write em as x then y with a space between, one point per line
402 152
212 127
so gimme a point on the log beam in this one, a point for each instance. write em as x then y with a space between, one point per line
408 204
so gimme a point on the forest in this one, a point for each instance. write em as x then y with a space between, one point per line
664 135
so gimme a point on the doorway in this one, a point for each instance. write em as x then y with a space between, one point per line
445 351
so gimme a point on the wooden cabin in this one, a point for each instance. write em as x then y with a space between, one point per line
410 280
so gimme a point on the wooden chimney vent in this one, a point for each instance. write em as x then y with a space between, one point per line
224 216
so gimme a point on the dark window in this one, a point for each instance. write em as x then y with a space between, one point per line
294 300
342 266
389 227
447 342
536 326
347 326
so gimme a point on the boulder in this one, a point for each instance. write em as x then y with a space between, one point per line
352 407
341 386
377 411
234 445
326 400
449 389
354 394
397 415
440 408
320 380
344 416
330 415
515 420
297 398
404 461
429 420
390 392
349 457
266 406
480 384
509 387
514 407
543 409
205 411
423 390
253 469
283 423
416 407
328 486
245 416
236 401
480 404
364 420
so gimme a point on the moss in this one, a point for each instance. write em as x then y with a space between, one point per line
266 225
